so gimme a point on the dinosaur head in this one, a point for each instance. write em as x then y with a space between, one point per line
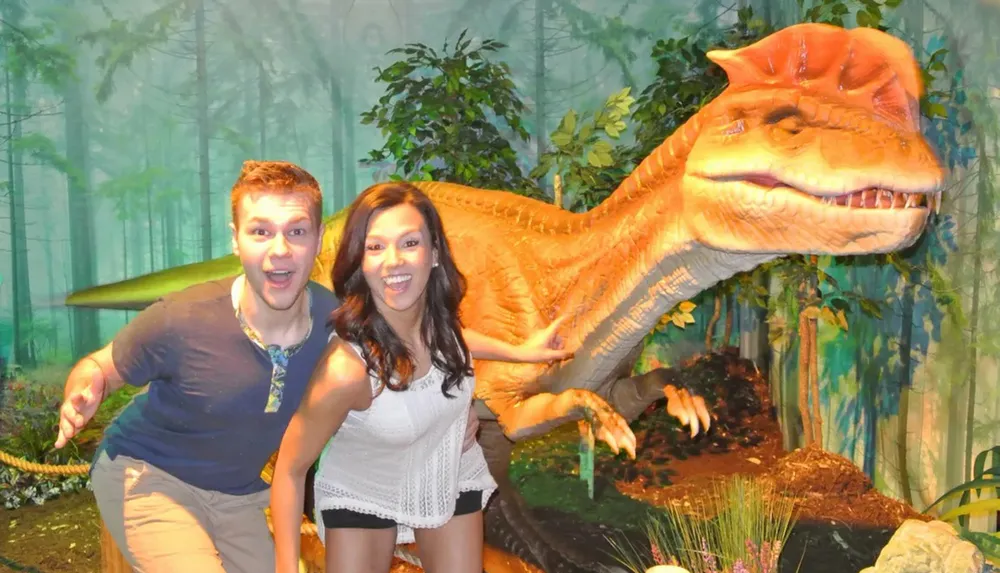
814 147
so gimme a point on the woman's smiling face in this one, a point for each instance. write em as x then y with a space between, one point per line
398 257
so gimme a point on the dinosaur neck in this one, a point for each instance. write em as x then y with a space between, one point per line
628 235
656 179
635 261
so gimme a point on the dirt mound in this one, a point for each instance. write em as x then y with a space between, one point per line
828 487
811 470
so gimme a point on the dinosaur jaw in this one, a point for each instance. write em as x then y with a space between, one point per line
872 197
757 213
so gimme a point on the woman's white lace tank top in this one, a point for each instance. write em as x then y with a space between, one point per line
402 458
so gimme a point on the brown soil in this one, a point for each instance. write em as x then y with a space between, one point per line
61 536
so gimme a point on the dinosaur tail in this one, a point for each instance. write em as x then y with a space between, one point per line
139 292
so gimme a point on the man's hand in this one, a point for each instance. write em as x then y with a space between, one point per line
79 407
545 345
471 429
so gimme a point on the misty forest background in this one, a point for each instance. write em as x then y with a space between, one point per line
125 123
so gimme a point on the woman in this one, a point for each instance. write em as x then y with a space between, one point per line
389 401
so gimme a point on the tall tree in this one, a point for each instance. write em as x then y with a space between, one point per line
16 87
204 128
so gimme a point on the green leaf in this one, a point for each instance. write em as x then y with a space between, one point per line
988 543
568 123
981 506
965 488
602 147
561 139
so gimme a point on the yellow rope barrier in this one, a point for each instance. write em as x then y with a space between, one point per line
48 469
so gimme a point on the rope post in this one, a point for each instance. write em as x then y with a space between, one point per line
557 190
586 428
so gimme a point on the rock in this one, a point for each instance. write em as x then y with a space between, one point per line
928 547
667 569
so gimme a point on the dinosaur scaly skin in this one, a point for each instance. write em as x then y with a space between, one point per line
814 148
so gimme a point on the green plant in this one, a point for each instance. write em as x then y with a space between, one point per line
30 418
982 478
583 156
440 113
686 80
741 528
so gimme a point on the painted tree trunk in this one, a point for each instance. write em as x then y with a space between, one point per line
204 129
803 373
712 321
16 96
983 207
338 198
82 245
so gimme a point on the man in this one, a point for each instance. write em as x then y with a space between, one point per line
177 475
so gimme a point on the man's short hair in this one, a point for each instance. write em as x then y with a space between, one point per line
277 178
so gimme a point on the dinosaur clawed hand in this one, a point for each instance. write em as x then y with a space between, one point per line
689 409
609 426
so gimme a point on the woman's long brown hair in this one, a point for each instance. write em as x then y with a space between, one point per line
358 320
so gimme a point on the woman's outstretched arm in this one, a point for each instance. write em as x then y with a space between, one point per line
338 385
543 346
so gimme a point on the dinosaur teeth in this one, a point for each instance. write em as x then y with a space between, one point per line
885 199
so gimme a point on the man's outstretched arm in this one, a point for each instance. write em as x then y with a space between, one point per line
91 380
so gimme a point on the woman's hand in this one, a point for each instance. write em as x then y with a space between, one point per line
545 345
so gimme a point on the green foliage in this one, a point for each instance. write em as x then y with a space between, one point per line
121 41
45 151
30 55
679 316
438 116
743 527
868 13
583 155
982 478
30 418
685 81
543 471
611 36
128 191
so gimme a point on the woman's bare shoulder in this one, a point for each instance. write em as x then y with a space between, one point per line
342 371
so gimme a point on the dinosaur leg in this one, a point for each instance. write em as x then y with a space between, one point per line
633 394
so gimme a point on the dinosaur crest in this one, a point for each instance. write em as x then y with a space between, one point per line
867 68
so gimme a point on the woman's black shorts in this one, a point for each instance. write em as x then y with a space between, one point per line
467 502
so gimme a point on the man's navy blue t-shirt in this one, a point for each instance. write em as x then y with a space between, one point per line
204 418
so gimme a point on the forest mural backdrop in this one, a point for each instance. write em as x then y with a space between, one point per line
124 124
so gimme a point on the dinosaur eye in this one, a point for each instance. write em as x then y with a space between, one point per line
781 114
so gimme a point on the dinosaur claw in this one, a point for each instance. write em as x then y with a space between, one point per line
694 421
689 409
702 412
675 404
